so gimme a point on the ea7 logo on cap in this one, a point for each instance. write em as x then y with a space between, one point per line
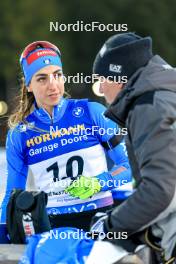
115 68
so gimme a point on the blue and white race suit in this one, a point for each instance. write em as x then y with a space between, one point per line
48 153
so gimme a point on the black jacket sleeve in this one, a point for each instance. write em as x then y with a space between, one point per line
153 139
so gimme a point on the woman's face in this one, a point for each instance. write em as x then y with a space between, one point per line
47 85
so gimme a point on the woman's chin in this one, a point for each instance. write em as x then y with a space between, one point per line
55 100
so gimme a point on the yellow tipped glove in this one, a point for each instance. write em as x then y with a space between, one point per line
84 187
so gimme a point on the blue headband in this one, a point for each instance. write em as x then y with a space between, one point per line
37 60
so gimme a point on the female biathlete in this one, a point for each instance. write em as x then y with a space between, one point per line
53 140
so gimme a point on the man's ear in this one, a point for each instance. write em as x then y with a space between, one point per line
121 86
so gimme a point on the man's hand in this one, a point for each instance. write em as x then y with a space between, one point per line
84 187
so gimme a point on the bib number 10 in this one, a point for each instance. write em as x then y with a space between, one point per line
69 168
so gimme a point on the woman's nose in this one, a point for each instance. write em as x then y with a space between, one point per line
52 81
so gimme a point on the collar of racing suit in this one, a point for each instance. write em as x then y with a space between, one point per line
58 112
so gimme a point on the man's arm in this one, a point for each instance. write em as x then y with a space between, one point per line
153 136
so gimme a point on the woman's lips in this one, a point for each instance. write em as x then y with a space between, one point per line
54 95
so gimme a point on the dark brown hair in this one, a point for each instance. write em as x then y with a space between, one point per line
24 104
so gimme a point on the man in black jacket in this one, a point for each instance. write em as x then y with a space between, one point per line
146 105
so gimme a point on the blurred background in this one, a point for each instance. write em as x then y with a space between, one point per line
25 21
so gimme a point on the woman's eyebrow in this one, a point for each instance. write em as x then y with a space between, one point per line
45 74
40 74
57 71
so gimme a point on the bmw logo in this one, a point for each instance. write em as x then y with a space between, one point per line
78 111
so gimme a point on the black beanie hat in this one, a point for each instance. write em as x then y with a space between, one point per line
122 55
